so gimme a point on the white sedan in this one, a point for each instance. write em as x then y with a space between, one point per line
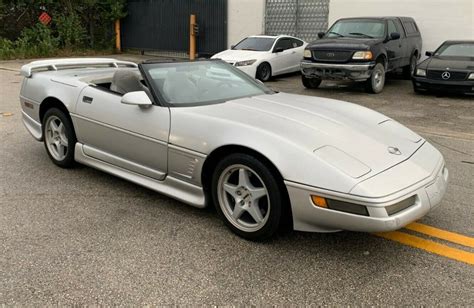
263 56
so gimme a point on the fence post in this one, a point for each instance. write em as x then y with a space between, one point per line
192 37
118 43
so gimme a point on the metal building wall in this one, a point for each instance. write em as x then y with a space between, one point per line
301 18
163 25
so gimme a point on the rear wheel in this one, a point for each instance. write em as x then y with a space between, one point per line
409 70
310 83
59 138
264 71
247 196
376 82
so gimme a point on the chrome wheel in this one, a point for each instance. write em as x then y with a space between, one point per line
56 139
378 79
243 198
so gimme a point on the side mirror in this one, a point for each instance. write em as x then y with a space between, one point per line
429 53
394 36
278 49
321 34
138 98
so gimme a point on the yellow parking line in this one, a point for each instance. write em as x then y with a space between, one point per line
442 234
430 246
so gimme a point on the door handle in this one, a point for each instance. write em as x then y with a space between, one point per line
87 99
293 52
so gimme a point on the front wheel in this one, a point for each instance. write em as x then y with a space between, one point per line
59 138
376 82
247 196
264 72
310 83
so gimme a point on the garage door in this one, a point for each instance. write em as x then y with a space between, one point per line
301 18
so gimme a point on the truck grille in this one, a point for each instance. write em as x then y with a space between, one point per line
453 76
332 56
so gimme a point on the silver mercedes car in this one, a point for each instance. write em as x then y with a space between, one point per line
205 133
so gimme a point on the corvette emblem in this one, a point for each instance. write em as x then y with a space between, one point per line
394 151
446 75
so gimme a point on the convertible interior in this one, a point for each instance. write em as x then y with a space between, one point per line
178 85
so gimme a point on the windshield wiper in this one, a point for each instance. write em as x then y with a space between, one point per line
361 34
248 49
338 34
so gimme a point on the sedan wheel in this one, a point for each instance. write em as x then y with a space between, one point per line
59 138
247 196
264 72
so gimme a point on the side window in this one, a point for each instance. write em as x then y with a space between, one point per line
399 27
411 27
391 27
284 43
296 43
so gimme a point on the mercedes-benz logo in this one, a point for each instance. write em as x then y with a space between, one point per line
394 151
446 75
330 54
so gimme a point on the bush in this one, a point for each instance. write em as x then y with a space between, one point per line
37 41
75 26
7 49
71 33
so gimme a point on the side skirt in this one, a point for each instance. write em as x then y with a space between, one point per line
172 187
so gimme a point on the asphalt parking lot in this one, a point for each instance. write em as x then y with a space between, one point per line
83 237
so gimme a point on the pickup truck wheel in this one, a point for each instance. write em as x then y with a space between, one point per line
376 81
59 138
264 72
409 70
310 83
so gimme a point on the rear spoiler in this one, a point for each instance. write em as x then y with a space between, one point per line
56 64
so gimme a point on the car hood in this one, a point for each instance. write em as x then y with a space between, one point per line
231 55
353 138
442 63
343 43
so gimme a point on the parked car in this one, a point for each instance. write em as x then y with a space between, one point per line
205 133
449 68
264 56
362 49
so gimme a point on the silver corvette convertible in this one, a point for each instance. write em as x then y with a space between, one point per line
205 133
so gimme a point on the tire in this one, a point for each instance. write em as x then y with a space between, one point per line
310 83
247 196
264 72
409 70
59 138
376 81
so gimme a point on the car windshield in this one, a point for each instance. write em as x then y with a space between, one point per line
200 82
255 44
456 50
357 28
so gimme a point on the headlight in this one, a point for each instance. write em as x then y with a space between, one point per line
471 76
362 55
245 63
307 53
420 72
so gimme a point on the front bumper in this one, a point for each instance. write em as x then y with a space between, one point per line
428 193
250 70
463 87
348 71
